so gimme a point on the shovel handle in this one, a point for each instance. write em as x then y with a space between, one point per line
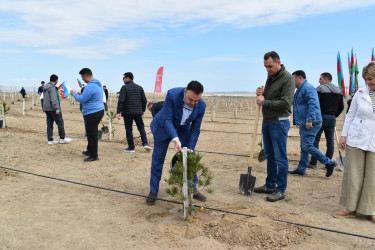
254 137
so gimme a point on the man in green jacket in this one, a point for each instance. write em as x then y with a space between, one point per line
276 99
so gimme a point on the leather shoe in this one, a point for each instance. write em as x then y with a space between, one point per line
296 172
372 217
312 166
264 190
200 197
344 213
330 168
91 159
150 200
86 153
276 196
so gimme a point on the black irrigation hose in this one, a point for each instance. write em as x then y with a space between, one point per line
176 202
207 152
204 130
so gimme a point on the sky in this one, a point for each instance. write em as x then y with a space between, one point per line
219 43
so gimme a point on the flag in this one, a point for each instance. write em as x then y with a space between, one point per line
372 57
350 76
80 84
63 91
356 73
340 74
159 79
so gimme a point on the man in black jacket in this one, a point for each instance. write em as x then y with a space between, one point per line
155 107
132 105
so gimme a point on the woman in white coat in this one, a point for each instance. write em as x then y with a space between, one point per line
358 137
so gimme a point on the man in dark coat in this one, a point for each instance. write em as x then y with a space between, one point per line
155 107
132 105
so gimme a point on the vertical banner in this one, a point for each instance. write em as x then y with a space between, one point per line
159 79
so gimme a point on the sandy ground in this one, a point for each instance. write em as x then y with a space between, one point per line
42 213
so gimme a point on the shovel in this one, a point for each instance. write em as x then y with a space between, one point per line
261 156
340 160
247 181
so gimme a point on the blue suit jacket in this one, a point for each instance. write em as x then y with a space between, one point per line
166 124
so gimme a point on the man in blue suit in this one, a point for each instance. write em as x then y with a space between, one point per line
180 121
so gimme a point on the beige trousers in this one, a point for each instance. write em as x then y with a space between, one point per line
358 184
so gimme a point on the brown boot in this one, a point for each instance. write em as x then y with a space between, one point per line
344 213
372 217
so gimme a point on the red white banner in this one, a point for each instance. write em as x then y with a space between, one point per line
159 79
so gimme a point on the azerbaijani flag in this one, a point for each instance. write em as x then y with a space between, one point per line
356 73
372 57
80 84
350 76
340 75
63 91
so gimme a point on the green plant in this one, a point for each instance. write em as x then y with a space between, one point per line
111 116
194 167
5 108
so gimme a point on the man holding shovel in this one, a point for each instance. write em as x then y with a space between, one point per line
276 101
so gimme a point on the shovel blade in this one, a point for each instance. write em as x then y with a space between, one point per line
341 161
247 183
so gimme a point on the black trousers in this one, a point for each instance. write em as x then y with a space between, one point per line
91 124
58 119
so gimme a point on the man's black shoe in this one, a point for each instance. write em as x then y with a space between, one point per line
91 159
330 168
296 172
150 200
264 190
200 197
86 153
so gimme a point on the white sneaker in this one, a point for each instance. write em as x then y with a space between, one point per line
65 140
52 142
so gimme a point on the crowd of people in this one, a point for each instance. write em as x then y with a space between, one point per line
180 116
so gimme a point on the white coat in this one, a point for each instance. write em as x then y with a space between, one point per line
359 126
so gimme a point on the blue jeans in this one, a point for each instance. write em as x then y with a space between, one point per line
128 121
274 143
307 147
328 126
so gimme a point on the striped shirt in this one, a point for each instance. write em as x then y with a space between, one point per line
372 96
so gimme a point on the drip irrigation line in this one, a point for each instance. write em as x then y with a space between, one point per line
120 142
203 130
180 203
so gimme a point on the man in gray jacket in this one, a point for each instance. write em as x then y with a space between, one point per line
51 106
276 99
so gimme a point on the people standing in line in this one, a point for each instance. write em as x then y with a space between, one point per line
132 105
307 116
92 109
276 101
106 98
51 106
154 108
23 92
40 92
179 120
358 137
331 105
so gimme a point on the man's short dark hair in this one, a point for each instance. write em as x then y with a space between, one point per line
195 86
327 76
130 75
86 71
53 78
42 82
300 73
275 57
